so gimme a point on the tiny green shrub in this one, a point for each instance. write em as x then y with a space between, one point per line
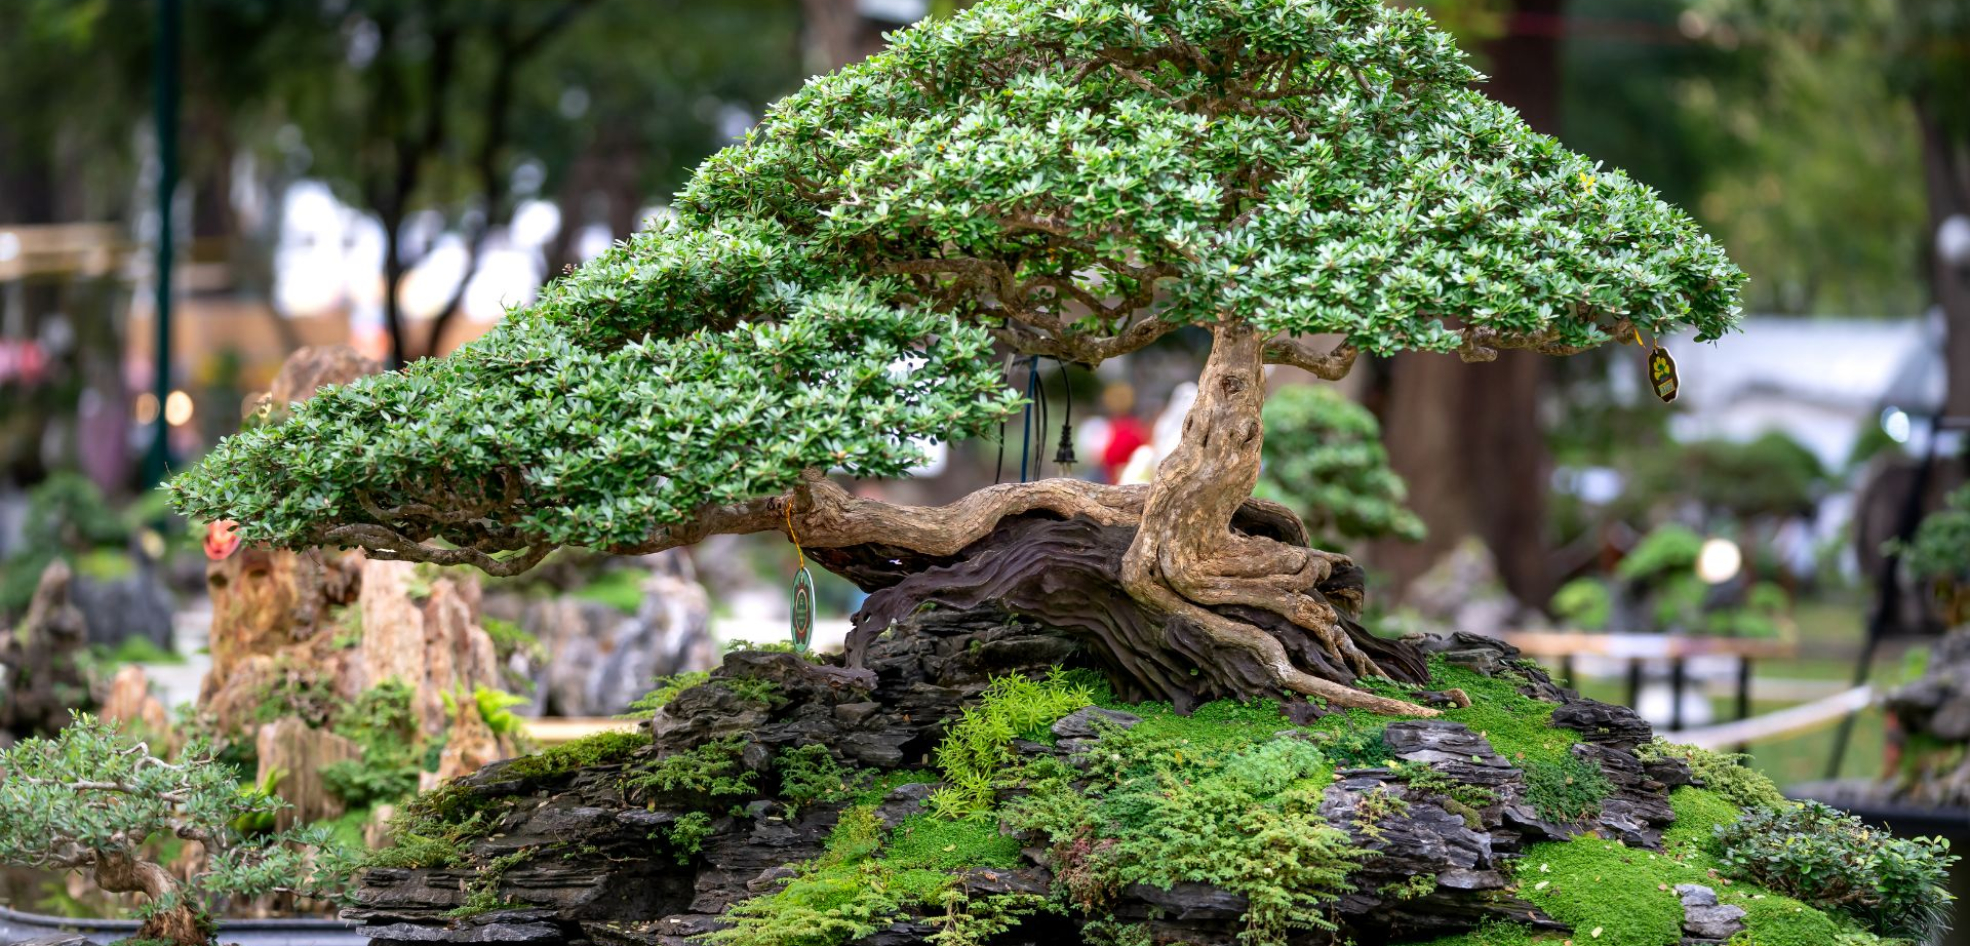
1897 886
809 774
977 752
711 771
482 895
687 834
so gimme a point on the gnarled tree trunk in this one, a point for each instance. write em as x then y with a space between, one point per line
181 922
1186 591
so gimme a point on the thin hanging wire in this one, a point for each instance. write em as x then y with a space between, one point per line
1026 434
999 468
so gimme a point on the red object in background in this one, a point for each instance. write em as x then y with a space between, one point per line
22 361
1126 435
221 539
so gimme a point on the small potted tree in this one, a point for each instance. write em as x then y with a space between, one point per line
89 800
1939 554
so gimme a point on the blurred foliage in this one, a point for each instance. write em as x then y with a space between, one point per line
1940 549
1656 588
1834 90
67 517
1323 458
1772 475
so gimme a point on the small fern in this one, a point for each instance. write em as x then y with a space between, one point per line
977 751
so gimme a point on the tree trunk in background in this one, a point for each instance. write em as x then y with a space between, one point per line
1946 167
836 34
1467 437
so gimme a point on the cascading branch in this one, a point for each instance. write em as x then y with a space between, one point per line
1069 179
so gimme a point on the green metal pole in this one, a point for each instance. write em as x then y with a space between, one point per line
158 463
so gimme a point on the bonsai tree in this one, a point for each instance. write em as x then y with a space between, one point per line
1324 459
91 801
1067 179
1939 554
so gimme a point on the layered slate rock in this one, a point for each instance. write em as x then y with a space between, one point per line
596 868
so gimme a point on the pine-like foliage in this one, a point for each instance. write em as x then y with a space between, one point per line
1074 177
89 798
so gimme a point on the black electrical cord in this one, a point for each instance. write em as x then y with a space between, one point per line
1064 454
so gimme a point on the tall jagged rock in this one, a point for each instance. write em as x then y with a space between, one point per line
41 676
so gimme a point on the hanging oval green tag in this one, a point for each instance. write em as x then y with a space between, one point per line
803 608
1662 374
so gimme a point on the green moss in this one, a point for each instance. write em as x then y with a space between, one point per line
666 690
1159 809
944 844
482 895
1496 933
1626 894
603 748
435 829
1724 773
866 880
1699 812
1630 894
1772 920
875 789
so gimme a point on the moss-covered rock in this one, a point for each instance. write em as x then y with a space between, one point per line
960 787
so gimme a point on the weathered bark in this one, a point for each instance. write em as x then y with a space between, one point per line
1186 559
1213 595
1066 574
182 922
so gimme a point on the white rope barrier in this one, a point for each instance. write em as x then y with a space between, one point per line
1791 721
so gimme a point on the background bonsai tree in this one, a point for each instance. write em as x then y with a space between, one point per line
1068 179
1324 459
91 801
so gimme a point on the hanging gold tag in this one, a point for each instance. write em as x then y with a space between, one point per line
1662 373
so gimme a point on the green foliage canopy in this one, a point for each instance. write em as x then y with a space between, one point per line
1075 177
